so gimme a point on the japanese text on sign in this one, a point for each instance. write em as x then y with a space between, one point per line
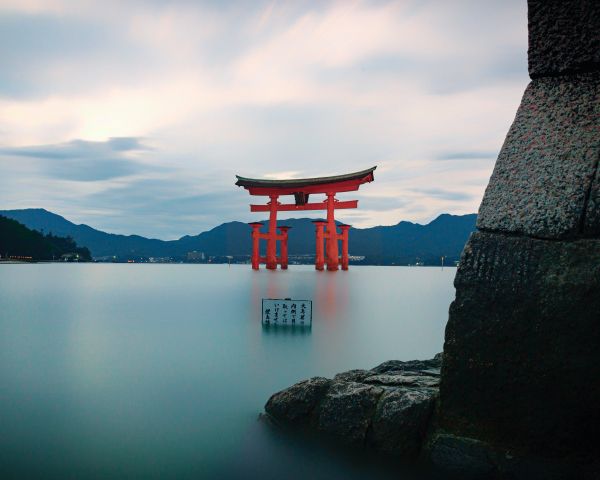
277 311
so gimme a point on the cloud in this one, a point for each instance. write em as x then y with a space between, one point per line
383 203
264 88
82 160
443 194
46 54
468 155
173 205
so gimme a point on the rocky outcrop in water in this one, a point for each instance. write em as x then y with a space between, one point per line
386 409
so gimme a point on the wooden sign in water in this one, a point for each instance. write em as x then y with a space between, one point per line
288 312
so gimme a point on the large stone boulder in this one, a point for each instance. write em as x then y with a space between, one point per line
519 393
386 409
522 344
548 164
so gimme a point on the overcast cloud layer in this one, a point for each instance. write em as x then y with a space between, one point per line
134 117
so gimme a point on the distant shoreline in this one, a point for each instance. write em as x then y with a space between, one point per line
20 262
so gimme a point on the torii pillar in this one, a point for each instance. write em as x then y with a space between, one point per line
256 235
283 252
331 237
320 236
272 236
344 237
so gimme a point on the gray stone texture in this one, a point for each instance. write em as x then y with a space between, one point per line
542 180
466 457
522 351
401 420
352 376
346 411
386 409
591 225
295 404
563 36
469 458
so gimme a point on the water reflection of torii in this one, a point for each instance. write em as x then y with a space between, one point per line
301 189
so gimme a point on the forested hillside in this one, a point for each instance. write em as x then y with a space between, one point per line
18 241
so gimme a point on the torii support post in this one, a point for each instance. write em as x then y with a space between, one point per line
256 226
345 232
272 234
331 236
283 260
320 236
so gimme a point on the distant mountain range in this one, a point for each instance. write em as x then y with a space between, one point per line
401 244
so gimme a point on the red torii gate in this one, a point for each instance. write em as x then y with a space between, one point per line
301 189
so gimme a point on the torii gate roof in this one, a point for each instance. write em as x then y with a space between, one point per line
307 184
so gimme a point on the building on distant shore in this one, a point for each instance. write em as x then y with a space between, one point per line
158 260
195 256
69 257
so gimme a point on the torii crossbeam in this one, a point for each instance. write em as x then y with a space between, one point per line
301 189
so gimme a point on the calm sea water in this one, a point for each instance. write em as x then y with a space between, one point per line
160 371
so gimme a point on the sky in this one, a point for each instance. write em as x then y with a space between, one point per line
135 116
